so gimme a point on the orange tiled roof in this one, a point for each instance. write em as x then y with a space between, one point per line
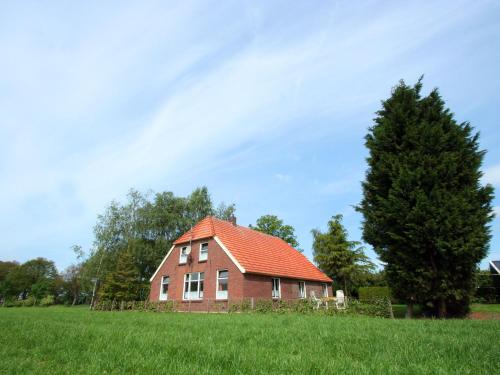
256 252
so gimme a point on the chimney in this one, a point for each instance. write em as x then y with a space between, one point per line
232 220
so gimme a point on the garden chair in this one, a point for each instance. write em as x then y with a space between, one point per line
340 300
315 300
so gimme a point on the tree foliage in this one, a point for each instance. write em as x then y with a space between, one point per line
425 211
36 277
342 260
145 227
274 226
124 283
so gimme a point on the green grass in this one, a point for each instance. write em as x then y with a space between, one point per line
400 311
493 308
61 340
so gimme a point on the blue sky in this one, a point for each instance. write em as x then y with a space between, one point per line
265 103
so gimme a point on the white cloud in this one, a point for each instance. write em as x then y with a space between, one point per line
144 96
282 177
492 175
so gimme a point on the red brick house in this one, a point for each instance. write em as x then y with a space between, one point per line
220 261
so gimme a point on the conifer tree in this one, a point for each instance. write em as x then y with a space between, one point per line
425 211
123 284
342 260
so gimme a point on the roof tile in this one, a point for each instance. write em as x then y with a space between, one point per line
256 252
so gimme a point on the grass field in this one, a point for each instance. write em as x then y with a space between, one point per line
486 308
61 340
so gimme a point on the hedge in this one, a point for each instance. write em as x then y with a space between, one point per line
378 307
369 293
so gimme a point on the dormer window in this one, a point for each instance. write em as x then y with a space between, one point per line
203 252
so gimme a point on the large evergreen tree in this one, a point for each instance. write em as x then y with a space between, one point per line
425 211
343 260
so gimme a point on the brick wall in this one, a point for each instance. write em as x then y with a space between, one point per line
260 286
217 260
239 285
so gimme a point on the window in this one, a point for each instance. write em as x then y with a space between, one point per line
165 280
302 289
185 250
193 285
325 290
203 252
222 281
276 288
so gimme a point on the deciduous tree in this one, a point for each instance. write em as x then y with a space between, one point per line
274 226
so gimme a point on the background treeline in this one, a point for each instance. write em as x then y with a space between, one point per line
130 239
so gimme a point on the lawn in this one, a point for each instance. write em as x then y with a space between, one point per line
61 340
493 308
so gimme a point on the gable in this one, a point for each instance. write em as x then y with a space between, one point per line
172 255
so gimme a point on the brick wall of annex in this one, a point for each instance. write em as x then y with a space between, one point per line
260 287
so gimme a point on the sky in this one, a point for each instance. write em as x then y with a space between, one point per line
265 103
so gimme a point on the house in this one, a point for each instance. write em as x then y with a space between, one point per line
219 261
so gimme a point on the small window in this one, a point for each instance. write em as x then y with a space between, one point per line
302 289
193 285
325 290
185 250
165 280
203 252
276 288
222 284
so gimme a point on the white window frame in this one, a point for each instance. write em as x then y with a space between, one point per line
222 294
203 255
302 290
198 294
325 289
164 296
273 292
183 257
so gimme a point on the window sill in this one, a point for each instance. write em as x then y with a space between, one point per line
192 300
202 261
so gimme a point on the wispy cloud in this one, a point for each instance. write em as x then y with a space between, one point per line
97 100
492 175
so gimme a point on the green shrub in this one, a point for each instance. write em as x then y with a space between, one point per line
47 301
368 293
28 302
380 307
263 306
9 303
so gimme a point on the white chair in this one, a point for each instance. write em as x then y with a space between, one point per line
340 300
315 300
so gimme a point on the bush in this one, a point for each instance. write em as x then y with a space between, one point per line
380 307
28 302
47 301
485 295
368 293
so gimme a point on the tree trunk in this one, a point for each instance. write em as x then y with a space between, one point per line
409 310
74 301
441 308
